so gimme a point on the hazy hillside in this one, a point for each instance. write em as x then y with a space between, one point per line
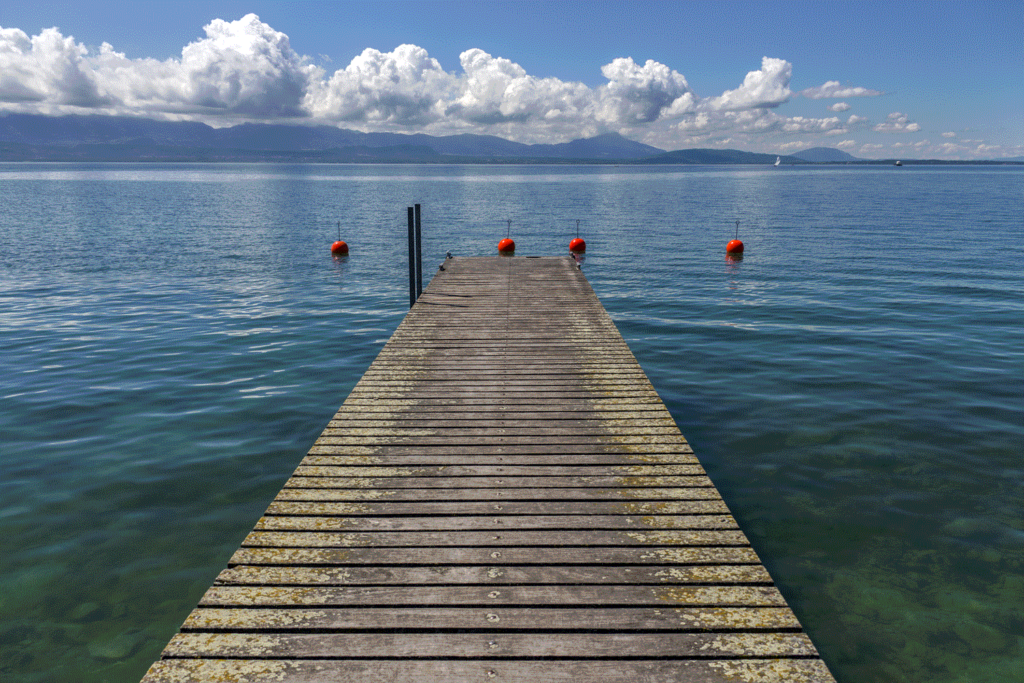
717 156
824 155
197 139
112 138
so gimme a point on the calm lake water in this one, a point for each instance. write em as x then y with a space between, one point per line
173 338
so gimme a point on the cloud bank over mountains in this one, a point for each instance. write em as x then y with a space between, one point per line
245 70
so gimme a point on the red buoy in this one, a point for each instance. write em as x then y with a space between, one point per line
339 248
735 246
506 246
577 245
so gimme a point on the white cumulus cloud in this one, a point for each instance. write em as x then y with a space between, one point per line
494 94
495 90
799 124
47 69
758 122
796 145
915 146
641 94
245 67
698 122
404 87
768 87
242 68
897 123
245 70
835 89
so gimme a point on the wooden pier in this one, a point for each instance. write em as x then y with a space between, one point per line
502 497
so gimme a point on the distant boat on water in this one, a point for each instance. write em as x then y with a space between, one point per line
778 160
898 163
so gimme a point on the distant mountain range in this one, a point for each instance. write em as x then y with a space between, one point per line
717 156
25 137
107 137
821 155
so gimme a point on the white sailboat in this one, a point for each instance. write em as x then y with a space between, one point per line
778 160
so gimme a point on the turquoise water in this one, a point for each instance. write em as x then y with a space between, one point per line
174 337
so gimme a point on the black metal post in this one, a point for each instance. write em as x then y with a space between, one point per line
412 260
419 256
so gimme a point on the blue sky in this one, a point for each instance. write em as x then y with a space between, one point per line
877 79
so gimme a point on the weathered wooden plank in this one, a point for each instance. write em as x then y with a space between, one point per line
529 343
492 556
399 365
524 333
543 507
479 645
498 575
517 330
505 482
555 430
499 470
533 426
490 522
445 404
422 379
521 394
638 451
514 348
346 418
505 403
500 494
581 384
477 596
453 381
442 459
500 361
626 619
767 670
550 441
500 537
518 345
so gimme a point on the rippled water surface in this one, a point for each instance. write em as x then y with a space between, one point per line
173 339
